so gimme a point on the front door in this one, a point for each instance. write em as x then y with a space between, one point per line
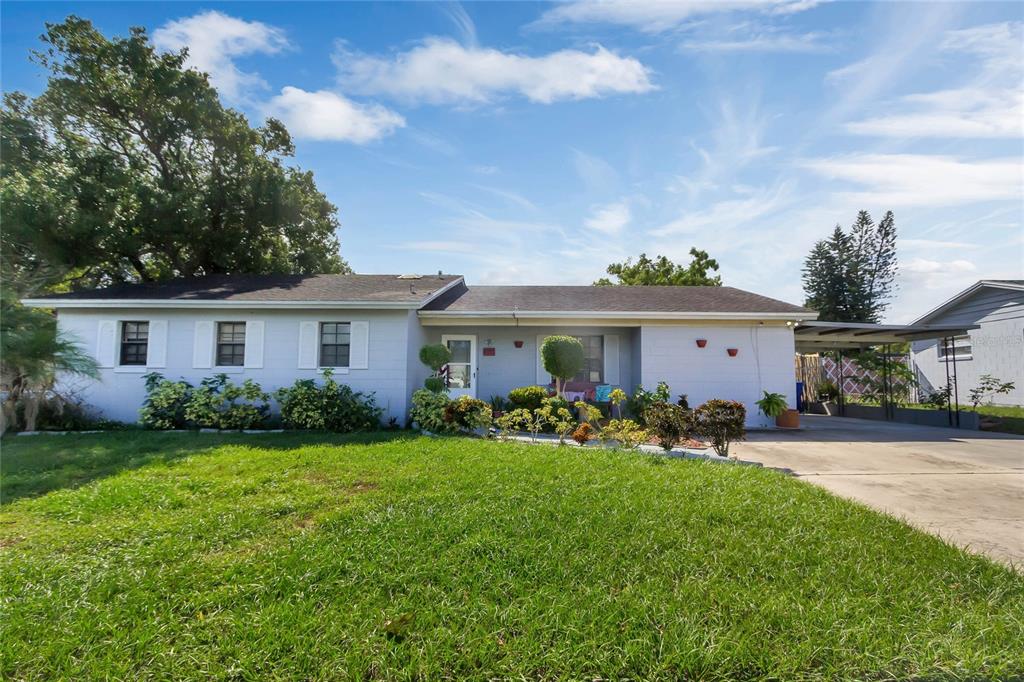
462 367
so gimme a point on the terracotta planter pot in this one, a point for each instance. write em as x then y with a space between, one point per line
701 343
732 352
790 419
518 344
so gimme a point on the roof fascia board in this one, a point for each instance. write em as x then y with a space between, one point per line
446 287
966 293
178 303
618 314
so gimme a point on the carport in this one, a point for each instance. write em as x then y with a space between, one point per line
837 337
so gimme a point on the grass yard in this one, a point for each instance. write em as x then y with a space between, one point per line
144 555
1002 419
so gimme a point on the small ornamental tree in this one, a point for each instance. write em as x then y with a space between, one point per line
435 356
720 422
563 359
989 386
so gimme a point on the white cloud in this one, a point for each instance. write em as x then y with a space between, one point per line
922 180
214 40
990 106
609 219
655 16
725 215
766 41
325 115
441 70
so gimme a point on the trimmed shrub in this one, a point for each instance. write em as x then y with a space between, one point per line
428 409
527 397
331 407
166 400
563 358
720 422
435 356
435 384
467 414
669 423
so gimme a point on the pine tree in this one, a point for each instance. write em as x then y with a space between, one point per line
850 277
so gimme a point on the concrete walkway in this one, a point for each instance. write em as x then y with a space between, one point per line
964 486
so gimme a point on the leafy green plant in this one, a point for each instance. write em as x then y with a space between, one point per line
669 423
827 390
332 406
939 398
428 409
989 386
499 403
563 358
885 374
435 356
519 419
720 422
466 413
527 397
615 399
642 399
217 403
165 403
771 404
555 415
626 432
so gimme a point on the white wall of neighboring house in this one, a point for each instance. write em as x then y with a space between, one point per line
120 391
997 346
764 362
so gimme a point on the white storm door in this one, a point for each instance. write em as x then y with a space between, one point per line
462 367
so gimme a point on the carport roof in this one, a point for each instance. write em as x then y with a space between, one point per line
817 335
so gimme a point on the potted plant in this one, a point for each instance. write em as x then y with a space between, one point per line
772 405
826 393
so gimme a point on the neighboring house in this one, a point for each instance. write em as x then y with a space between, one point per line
369 328
996 348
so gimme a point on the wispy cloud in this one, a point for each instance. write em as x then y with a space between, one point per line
325 115
610 218
991 105
214 40
659 15
726 215
464 26
762 41
441 71
923 180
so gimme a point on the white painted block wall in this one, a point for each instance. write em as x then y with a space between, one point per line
120 391
764 362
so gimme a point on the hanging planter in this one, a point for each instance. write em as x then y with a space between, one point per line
732 352
701 343
518 344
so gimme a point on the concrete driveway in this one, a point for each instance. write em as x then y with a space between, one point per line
964 486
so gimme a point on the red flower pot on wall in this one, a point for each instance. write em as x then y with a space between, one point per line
701 343
732 352
518 344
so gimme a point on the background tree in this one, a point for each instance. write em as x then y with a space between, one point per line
850 277
662 271
128 168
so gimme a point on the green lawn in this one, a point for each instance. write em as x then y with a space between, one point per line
139 556
995 418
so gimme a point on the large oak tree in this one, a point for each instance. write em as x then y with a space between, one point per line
129 168
661 271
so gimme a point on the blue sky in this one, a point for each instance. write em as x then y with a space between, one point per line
536 143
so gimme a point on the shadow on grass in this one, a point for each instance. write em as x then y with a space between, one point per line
36 465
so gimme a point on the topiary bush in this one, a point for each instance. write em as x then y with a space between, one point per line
428 410
435 356
466 413
720 422
331 407
669 423
435 384
166 400
527 397
563 358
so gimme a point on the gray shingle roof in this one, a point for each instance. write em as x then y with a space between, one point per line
639 299
327 288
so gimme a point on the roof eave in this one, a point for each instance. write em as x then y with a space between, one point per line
619 314
213 304
966 293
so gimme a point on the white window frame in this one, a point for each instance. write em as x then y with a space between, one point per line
957 342
119 357
216 345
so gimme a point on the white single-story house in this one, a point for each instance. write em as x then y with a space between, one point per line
995 347
706 342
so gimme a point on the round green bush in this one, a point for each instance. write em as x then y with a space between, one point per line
434 384
563 356
527 397
435 356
